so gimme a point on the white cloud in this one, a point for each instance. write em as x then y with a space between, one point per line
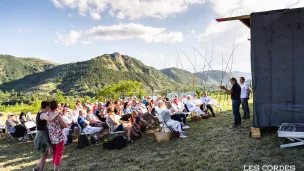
121 32
86 42
130 9
57 3
243 7
95 15
70 15
230 8
68 39
224 33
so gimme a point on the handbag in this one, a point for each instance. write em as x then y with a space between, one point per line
118 143
82 141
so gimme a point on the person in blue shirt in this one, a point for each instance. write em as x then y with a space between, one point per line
127 108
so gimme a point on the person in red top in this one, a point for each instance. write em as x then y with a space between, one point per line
175 100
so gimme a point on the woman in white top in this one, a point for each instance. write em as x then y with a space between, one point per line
176 115
164 116
192 107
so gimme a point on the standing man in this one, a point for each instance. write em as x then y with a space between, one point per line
245 91
235 93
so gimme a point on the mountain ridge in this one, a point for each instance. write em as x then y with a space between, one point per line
91 75
13 68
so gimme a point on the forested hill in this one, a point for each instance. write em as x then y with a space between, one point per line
187 78
88 76
206 78
13 68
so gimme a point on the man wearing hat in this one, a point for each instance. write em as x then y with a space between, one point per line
14 127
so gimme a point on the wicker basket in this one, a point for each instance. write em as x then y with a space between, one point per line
196 118
162 136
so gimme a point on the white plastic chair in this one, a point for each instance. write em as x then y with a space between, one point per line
112 129
162 125
10 135
30 125
214 103
2 128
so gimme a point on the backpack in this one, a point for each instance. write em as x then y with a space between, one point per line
82 141
118 143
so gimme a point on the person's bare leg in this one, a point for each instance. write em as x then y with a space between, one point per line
182 124
42 160
99 135
130 130
56 168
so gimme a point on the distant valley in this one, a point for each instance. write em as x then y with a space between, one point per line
32 75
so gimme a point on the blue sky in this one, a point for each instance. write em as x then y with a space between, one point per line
66 31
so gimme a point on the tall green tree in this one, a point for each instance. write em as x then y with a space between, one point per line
122 88
59 96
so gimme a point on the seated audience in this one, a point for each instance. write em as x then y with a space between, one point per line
68 119
94 121
14 127
184 99
79 105
117 108
139 120
148 101
157 100
178 116
135 106
199 103
100 112
145 100
206 100
127 108
122 124
75 113
192 107
164 115
175 100
59 108
2 126
150 116
85 125
25 117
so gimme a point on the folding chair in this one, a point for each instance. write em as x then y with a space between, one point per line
113 132
9 134
2 131
13 138
81 132
190 114
30 125
162 125
214 103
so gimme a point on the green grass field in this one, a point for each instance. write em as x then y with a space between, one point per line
210 145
